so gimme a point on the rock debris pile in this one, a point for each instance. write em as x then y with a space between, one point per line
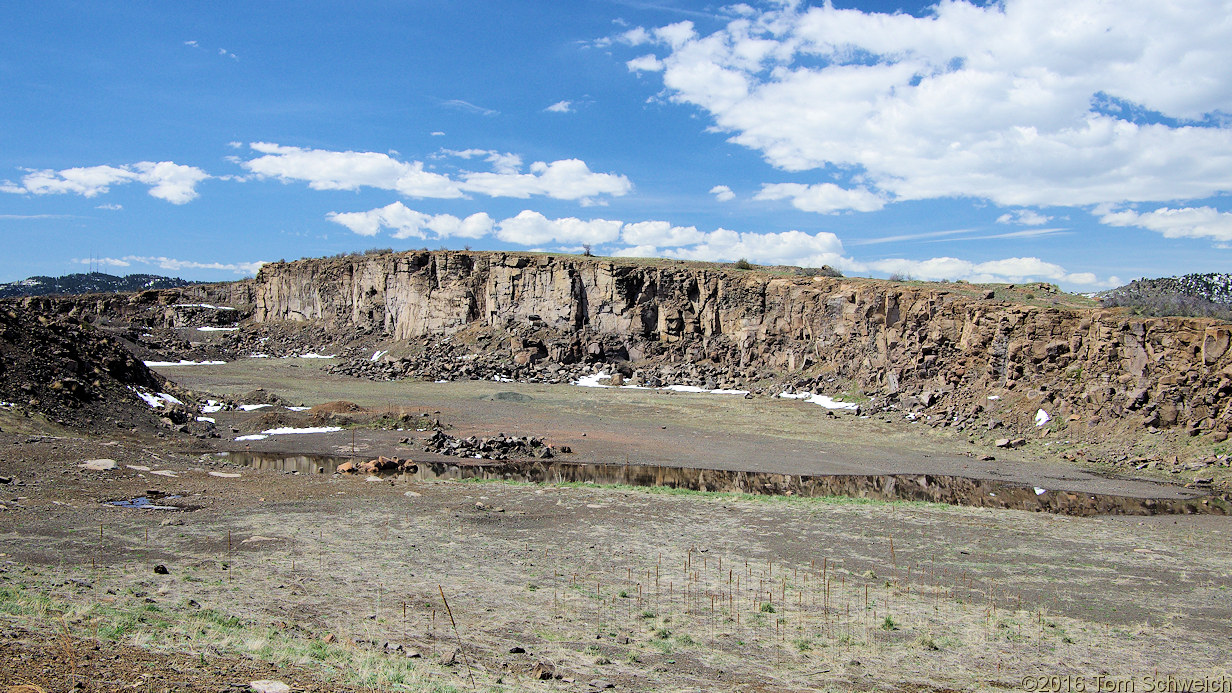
76 375
500 447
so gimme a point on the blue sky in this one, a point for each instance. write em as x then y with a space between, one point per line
1077 142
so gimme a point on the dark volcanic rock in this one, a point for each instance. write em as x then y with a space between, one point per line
74 374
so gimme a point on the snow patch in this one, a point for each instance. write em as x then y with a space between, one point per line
592 380
253 407
201 305
377 356
206 419
158 400
290 431
820 400
312 355
1042 418
183 362
254 436
694 388
209 328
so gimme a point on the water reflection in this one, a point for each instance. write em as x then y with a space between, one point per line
954 490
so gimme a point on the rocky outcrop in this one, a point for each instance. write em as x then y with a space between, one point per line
950 353
946 349
195 306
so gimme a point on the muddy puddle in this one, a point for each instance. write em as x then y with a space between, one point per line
954 490
145 503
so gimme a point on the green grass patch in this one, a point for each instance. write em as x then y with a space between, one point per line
164 627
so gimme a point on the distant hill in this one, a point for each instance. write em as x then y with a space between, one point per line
92 282
1200 295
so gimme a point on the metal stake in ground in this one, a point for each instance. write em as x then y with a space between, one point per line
466 660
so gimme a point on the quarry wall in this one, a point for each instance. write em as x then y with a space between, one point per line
921 344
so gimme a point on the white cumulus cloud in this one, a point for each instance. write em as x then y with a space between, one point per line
532 228
1015 269
722 193
781 248
348 170
175 183
1186 222
565 179
660 234
408 223
1022 102
645 63
826 198
560 107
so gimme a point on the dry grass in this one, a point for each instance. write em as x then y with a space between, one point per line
337 407
678 593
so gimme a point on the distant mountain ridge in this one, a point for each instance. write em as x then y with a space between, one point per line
89 283
1201 295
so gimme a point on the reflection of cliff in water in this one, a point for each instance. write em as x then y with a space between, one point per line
953 490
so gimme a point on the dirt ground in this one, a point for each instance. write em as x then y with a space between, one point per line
663 428
339 582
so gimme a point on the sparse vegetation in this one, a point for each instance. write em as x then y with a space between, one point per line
360 253
1193 295
742 264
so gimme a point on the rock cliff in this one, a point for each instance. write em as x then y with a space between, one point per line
952 350
955 355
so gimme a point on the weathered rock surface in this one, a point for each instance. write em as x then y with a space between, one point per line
949 355
923 347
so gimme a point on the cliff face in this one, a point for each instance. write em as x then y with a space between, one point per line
922 345
943 352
